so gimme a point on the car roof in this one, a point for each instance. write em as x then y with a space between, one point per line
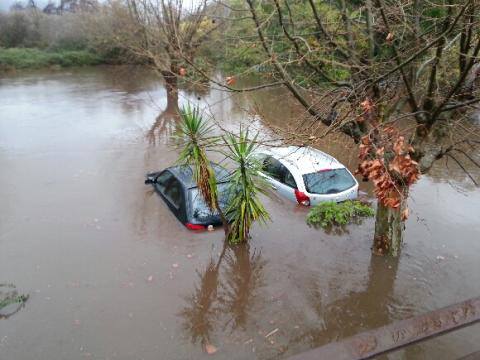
184 173
305 159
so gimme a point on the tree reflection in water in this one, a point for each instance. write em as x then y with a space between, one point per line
358 311
166 122
243 273
225 293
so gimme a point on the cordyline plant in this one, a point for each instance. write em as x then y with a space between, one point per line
245 185
194 131
244 206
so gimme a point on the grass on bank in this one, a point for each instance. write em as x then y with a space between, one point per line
30 58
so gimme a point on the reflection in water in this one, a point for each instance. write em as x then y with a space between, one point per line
223 299
166 123
243 273
338 230
355 312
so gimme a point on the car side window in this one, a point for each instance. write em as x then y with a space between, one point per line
289 180
173 192
278 171
162 180
273 168
260 157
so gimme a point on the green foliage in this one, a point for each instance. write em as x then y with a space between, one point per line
19 58
194 132
9 296
244 53
17 29
245 206
330 213
13 299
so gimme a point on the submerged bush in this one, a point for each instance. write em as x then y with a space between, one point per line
10 300
330 213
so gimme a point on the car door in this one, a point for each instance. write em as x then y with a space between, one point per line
172 192
280 178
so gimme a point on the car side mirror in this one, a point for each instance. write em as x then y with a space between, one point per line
149 181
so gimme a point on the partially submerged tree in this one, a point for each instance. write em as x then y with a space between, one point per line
245 187
161 33
398 79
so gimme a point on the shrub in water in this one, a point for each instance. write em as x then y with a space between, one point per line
331 213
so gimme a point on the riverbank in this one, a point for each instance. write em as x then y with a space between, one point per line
33 58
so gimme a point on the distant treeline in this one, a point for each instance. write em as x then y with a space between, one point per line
33 37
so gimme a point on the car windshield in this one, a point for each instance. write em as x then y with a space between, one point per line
200 209
328 181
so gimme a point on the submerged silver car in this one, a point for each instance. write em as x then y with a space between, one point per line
306 175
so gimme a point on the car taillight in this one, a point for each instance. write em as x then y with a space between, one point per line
194 226
302 198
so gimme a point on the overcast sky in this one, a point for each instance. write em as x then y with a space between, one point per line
5 4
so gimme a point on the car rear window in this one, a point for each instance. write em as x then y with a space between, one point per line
199 208
328 181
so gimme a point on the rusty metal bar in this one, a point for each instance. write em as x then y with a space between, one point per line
472 356
399 334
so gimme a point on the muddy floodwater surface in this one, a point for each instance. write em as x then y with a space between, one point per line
112 274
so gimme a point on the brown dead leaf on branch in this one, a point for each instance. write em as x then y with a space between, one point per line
368 108
367 105
385 160
230 80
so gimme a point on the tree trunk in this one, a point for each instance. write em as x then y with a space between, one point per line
171 83
389 228
172 101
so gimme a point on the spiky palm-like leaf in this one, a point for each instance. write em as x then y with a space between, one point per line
244 206
194 132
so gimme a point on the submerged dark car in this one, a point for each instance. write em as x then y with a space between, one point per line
178 189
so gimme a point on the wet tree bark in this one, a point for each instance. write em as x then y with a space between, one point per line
172 100
389 228
171 81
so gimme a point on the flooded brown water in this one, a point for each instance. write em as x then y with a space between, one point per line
113 275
